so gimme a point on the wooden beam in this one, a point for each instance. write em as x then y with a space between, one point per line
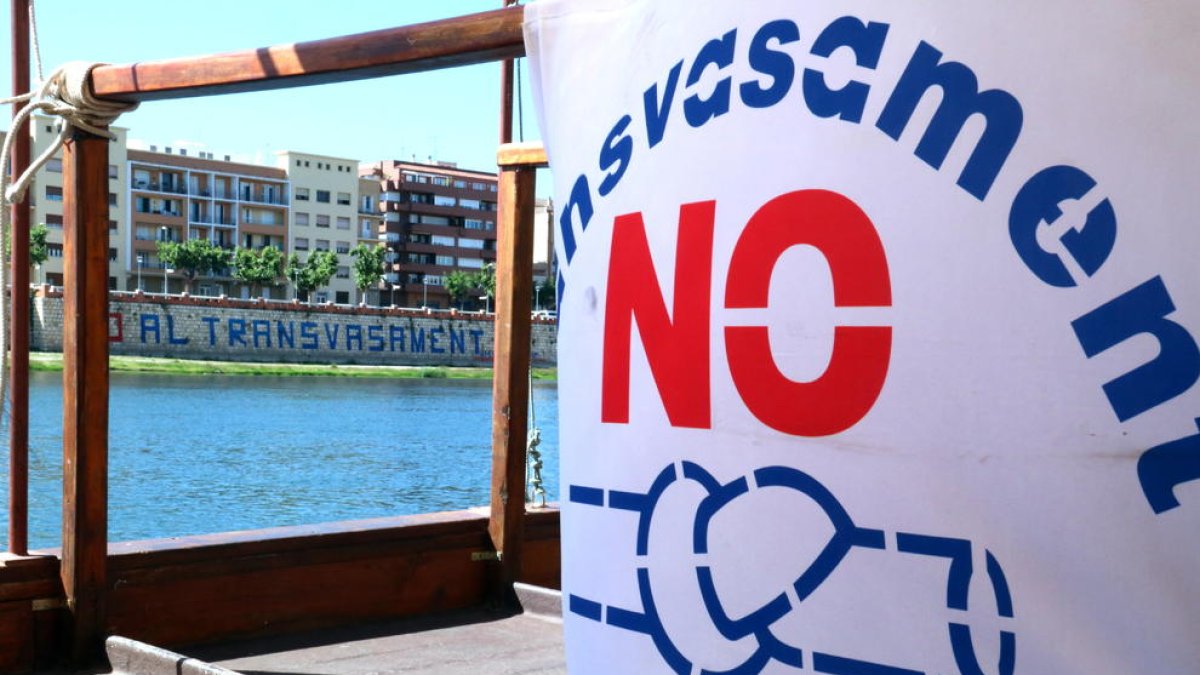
18 429
475 38
85 390
531 155
510 383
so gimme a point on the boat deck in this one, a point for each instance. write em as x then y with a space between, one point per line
467 641
462 643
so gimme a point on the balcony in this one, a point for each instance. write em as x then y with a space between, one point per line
152 186
261 199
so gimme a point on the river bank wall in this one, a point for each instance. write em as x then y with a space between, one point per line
225 329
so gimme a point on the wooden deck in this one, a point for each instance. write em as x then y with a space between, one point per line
179 593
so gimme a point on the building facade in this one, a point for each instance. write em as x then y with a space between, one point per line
325 205
46 203
434 219
437 219
174 197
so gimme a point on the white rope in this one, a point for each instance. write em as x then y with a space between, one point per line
66 94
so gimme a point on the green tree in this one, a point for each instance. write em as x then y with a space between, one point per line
193 257
457 283
368 267
485 280
38 250
543 294
313 273
258 269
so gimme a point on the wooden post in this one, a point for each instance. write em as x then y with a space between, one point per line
18 429
510 385
85 390
506 94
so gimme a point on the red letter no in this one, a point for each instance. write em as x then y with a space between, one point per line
851 383
677 345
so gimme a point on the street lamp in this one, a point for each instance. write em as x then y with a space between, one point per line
537 297
141 260
165 233
424 292
487 307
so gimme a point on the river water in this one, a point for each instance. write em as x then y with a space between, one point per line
202 454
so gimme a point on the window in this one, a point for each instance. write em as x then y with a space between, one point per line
460 183
442 200
366 203
470 204
343 272
112 199
441 180
112 255
54 250
54 165
54 221
342 247
476 244
343 198
322 220
364 228
145 233
433 279
53 193
321 297
441 240
475 224
479 186
300 193
112 225
470 263
301 218
435 220
323 196
321 245
300 244
447 260
343 223
342 297
113 171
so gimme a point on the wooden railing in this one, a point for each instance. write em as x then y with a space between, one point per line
490 36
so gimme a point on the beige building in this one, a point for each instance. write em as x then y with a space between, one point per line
46 195
370 232
325 215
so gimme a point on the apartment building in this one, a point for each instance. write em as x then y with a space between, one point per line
175 196
325 215
46 203
437 218
434 218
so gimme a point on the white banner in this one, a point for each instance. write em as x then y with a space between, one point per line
877 334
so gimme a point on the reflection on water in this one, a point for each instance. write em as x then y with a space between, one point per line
199 454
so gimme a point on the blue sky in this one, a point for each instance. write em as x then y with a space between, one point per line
449 115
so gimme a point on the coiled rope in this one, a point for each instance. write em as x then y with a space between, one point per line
67 95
